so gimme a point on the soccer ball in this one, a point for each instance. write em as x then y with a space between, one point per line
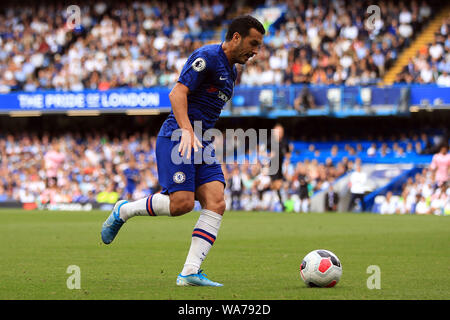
321 268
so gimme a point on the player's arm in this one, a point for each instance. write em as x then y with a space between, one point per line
178 100
192 75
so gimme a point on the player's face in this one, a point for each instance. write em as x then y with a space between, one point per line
248 46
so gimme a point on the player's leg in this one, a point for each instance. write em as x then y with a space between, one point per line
210 193
235 200
305 205
276 186
239 197
178 180
297 204
361 200
175 204
351 203
158 204
211 198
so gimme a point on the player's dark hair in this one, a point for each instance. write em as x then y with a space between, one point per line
242 25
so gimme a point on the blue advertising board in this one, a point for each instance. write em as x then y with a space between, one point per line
278 98
54 101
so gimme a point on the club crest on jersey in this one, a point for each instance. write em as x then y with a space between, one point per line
179 177
199 64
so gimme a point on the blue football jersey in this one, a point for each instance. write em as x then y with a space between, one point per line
210 79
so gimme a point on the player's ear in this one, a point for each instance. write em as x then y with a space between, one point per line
236 37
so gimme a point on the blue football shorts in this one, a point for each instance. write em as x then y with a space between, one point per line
181 174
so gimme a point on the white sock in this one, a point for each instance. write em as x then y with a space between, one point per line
154 205
203 237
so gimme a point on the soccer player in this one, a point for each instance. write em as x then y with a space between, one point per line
132 178
440 163
205 84
284 151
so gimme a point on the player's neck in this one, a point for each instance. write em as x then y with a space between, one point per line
227 50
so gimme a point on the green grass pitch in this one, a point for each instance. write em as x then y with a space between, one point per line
256 256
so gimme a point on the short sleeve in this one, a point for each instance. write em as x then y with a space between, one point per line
194 71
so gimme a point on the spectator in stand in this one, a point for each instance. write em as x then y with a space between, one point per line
389 204
372 150
402 205
53 159
439 200
422 206
304 101
108 195
443 79
3 194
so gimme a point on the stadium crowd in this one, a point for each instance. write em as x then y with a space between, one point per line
115 45
330 43
29 39
96 168
427 193
431 64
145 44
421 195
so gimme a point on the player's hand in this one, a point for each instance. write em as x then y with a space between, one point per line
187 142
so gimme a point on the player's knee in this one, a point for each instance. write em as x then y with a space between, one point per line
181 203
218 206
221 207
182 206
